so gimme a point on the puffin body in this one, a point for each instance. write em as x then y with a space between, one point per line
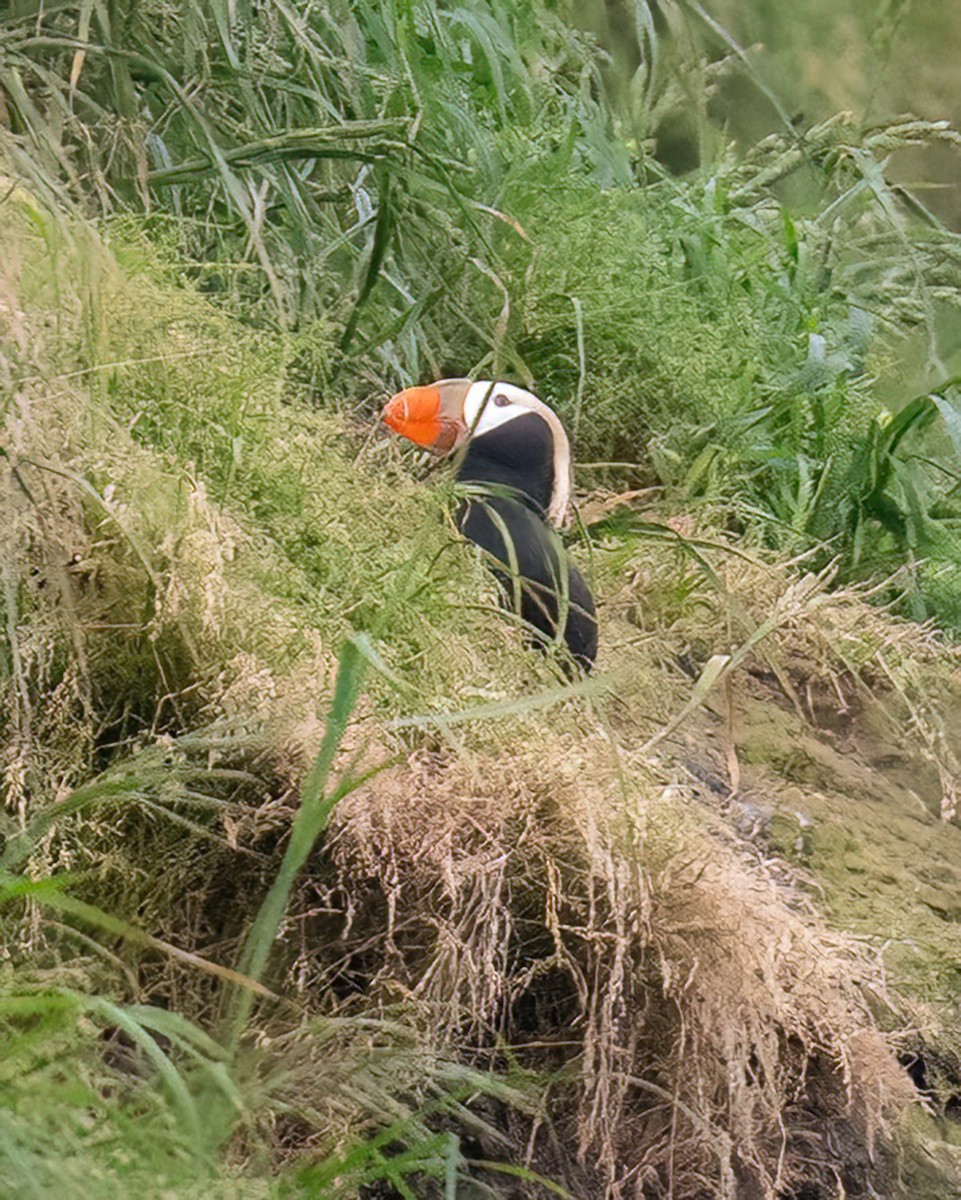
516 468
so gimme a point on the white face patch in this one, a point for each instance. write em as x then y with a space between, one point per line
488 406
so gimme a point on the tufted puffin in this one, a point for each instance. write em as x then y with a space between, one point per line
515 466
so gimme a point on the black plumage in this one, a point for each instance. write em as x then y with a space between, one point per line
510 471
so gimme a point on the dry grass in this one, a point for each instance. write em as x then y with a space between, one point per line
592 919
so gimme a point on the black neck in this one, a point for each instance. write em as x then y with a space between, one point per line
518 455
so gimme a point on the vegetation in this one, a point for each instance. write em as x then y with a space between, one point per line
312 881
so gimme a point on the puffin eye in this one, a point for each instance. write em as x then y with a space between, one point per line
501 401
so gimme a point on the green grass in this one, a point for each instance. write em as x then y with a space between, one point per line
235 972
475 202
732 352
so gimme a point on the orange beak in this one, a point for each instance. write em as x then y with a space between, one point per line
430 416
415 414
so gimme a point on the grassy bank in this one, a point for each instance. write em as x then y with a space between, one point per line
513 884
315 880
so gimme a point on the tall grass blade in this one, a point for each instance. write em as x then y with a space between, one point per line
317 802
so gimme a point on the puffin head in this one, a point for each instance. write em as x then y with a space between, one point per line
443 416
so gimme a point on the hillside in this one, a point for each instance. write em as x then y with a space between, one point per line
686 925
314 879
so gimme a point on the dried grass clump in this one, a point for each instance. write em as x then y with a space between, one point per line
330 1084
827 651
701 1028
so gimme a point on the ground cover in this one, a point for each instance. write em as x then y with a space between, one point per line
315 880
567 933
